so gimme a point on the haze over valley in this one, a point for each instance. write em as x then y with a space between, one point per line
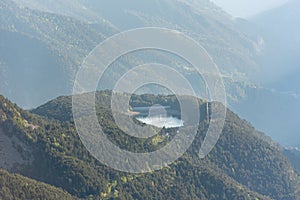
45 45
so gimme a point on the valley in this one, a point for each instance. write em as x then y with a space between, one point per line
43 45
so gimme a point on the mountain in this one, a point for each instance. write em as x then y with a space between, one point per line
38 47
280 60
241 49
218 32
244 164
273 112
294 156
277 98
74 9
60 35
232 49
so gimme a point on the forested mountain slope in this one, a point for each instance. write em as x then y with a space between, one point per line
17 187
243 165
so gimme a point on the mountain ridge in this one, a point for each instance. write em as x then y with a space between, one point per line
230 158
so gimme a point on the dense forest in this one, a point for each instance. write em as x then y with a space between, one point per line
243 165
17 187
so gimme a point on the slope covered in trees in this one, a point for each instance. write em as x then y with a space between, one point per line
17 187
243 165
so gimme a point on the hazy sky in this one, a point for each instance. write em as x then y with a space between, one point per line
247 8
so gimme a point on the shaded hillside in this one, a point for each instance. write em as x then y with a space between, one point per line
39 47
15 51
273 112
279 71
17 187
294 156
281 58
216 30
232 49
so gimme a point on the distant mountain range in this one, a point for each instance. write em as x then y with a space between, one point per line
60 40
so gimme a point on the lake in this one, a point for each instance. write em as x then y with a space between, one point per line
160 122
157 116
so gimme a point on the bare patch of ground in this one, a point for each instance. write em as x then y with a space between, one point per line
32 126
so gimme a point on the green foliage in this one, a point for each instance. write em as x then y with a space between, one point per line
17 187
243 165
248 157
